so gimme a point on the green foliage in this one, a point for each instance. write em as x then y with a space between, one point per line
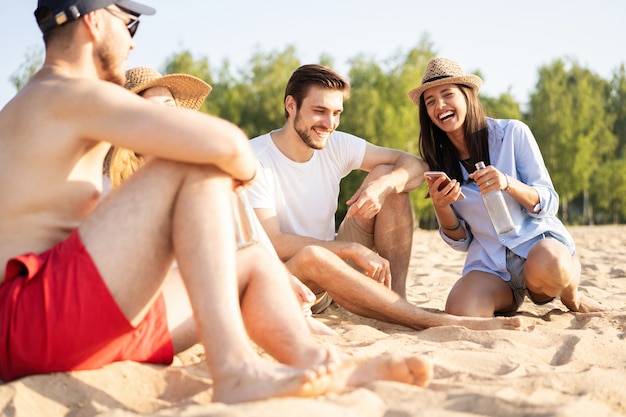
617 107
33 61
570 119
503 107
609 192
263 105
578 119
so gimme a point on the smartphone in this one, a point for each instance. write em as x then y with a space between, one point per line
434 175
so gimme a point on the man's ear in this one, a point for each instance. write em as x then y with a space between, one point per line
94 24
290 105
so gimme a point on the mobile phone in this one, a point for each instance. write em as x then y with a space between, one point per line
434 175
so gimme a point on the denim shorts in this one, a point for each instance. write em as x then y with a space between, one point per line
515 265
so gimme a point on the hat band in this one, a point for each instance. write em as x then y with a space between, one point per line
430 80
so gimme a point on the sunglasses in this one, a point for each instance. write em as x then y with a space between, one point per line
134 20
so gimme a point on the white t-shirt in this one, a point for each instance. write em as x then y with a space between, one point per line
304 194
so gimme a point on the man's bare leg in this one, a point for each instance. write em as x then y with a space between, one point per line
169 210
297 347
393 238
321 269
393 231
272 313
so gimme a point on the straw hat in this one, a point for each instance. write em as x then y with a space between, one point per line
441 71
188 91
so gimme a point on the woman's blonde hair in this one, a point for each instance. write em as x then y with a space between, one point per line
121 163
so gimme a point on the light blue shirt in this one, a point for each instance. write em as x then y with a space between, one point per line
513 150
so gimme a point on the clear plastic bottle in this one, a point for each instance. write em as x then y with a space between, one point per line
497 208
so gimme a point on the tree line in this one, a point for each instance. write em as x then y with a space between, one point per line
577 117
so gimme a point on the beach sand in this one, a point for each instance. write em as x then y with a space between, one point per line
559 364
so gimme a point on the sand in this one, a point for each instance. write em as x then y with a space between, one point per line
559 364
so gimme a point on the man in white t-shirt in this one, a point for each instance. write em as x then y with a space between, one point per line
295 197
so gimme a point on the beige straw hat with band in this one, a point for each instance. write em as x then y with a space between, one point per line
441 71
188 91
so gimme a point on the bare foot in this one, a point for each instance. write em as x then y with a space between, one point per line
317 327
580 303
490 323
414 370
263 379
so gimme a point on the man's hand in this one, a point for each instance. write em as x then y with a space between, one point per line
305 296
367 201
375 266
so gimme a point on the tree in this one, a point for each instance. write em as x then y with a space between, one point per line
263 106
609 194
33 61
568 117
503 107
617 107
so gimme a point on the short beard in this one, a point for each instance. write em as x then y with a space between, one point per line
107 58
306 138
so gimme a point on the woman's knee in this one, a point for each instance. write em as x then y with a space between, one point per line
479 294
549 266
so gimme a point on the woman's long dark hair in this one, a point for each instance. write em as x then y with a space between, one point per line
437 149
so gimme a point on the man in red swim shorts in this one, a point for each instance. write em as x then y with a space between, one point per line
83 282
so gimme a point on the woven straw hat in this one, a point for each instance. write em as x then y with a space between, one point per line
441 71
188 91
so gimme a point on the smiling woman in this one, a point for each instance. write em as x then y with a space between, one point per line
535 258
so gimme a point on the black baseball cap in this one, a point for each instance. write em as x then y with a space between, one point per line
53 13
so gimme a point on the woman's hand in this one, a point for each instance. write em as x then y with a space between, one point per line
489 179
443 191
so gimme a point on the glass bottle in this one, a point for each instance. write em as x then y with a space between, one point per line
497 208
243 213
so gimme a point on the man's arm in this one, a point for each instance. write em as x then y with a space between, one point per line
390 171
287 244
127 120
407 170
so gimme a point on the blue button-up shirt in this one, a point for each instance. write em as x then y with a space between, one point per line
513 150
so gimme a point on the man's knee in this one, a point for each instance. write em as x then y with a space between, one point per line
312 255
398 202
313 259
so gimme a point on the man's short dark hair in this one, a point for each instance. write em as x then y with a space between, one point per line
311 75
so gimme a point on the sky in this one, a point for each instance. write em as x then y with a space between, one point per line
507 41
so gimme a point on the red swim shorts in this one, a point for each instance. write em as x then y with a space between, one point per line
56 315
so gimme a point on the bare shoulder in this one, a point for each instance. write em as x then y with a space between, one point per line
67 106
